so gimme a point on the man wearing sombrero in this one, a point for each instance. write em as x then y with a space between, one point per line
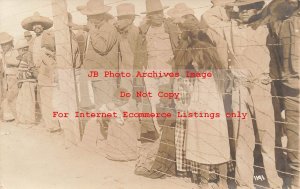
42 49
101 55
158 37
101 51
214 22
252 94
157 40
128 34
10 88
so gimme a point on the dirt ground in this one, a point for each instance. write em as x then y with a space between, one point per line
31 158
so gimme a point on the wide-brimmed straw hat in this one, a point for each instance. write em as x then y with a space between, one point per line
154 6
126 9
180 10
94 7
22 43
243 2
5 38
29 22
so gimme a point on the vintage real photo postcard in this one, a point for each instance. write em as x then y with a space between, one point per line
143 94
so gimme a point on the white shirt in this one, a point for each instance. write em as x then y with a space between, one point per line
159 49
37 50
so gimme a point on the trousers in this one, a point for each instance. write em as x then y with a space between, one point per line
257 103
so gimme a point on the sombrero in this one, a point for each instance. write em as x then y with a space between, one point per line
29 22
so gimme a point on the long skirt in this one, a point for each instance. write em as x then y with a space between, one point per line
25 104
186 167
9 103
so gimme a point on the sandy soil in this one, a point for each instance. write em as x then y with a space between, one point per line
31 158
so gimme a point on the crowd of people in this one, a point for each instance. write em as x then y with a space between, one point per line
251 48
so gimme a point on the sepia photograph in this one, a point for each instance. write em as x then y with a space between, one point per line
144 94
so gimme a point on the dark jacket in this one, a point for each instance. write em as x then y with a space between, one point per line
141 56
141 61
102 51
285 63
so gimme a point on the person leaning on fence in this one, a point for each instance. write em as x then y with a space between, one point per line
214 22
10 87
202 146
158 37
42 49
101 55
252 94
101 51
128 34
27 83
284 29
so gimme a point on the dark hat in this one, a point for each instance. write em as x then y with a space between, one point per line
153 6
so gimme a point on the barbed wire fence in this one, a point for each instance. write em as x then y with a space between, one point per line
72 96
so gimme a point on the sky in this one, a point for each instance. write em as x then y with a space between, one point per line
12 12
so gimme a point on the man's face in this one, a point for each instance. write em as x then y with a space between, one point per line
22 50
38 29
28 38
124 21
245 15
156 18
188 22
6 46
95 20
